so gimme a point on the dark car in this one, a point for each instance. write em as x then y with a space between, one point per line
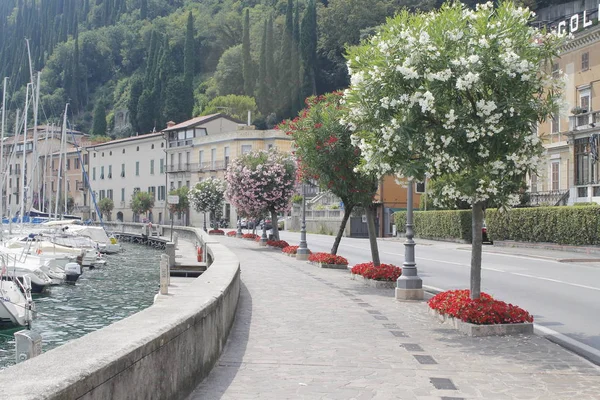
484 235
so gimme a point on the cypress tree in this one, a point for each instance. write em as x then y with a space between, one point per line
262 94
308 50
136 86
296 103
74 90
270 78
285 58
144 9
187 100
99 121
247 58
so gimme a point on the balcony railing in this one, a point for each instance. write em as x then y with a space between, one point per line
81 186
549 198
584 121
180 143
197 167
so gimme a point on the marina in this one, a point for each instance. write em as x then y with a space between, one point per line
124 285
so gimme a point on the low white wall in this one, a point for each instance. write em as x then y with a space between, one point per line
162 352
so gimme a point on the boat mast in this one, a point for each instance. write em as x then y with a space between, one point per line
44 184
2 145
60 175
35 175
22 195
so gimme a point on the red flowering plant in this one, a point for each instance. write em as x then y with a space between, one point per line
277 243
483 311
292 250
384 272
216 232
231 233
319 138
327 258
250 236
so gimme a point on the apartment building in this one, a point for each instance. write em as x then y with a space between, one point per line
122 167
203 147
570 171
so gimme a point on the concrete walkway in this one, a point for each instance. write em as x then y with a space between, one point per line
307 333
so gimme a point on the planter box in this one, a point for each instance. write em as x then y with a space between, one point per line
290 254
330 266
216 234
484 330
374 283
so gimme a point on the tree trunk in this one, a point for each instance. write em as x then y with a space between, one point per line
370 210
274 225
336 243
477 225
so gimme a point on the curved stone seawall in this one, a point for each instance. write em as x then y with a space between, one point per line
162 352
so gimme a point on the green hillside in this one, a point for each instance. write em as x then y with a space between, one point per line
164 60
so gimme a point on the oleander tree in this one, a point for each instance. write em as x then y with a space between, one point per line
456 94
106 205
182 207
261 182
326 155
208 196
141 203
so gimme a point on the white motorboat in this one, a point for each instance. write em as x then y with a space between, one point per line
24 270
97 234
16 305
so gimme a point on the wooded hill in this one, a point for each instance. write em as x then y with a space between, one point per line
165 60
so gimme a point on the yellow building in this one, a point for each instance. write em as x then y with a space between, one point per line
570 171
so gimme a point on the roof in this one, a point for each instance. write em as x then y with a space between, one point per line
198 121
127 139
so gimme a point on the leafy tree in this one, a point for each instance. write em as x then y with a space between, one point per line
106 205
141 202
208 196
319 138
184 202
99 123
229 76
261 182
460 100
233 105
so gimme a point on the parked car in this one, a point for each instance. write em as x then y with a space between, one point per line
485 238
265 224
244 223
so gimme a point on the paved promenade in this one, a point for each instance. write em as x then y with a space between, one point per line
302 332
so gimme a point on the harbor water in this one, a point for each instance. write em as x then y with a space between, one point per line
126 284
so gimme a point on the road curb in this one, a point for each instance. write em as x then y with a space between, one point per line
581 349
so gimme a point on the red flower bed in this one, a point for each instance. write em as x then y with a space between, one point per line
385 272
231 233
216 232
277 243
250 236
326 258
483 311
292 250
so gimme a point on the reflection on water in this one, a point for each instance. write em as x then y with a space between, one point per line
124 286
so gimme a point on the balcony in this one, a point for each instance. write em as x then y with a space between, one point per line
81 186
180 143
184 167
584 121
549 198
220 165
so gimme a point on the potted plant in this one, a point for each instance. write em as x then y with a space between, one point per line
382 276
578 110
327 260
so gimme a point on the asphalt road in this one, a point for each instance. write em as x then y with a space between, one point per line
564 297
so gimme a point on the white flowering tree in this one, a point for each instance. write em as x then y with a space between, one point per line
455 93
208 196
262 182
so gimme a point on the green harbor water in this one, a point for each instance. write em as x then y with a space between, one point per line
126 284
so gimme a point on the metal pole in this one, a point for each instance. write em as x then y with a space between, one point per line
303 251
22 196
205 221
2 144
171 226
409 285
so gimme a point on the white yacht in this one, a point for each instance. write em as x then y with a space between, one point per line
16 304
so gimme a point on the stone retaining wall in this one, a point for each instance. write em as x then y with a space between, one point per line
162 352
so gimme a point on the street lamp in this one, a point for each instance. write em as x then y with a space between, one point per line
303 251
409 285
204 221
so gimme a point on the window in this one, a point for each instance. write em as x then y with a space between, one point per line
201 157
152 191
94 173
162 145
122 170
110 172
102 194
582 162
246 148
94 155
151 167
187 159
585 61
110 153
269 146
102 172
137 168
10 167
172 162
68 164
162 165
187 184
109 194
161 193
554 179
179 161
122 194
584 99
138 148
226 155
135 190
77 163
555 70
123 151
178 184
102 154
213 157
152 147
555 123
85 159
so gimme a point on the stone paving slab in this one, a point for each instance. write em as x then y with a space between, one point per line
302 332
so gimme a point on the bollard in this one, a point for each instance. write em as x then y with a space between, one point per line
28 344
175 238
170 251
164 274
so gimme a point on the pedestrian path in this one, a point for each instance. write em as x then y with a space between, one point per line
307 333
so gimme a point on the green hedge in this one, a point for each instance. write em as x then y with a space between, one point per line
453 224
562 225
